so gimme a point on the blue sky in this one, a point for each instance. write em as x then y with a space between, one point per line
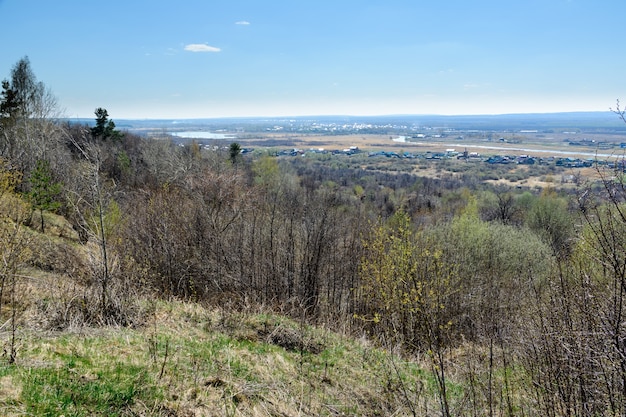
192 58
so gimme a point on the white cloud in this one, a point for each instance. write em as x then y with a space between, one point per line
201 47
242 22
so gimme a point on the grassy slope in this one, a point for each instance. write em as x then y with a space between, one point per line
188 360
185 359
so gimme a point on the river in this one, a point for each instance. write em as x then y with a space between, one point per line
203 135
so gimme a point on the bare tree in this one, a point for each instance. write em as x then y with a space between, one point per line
14 247
28 119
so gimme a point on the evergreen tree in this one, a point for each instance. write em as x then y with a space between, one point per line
234 152
44 190
9 105
104 128
9 102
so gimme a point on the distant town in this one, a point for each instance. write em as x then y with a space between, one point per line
569 140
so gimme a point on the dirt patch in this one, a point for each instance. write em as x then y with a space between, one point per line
293 340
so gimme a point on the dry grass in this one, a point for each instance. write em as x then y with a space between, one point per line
207 361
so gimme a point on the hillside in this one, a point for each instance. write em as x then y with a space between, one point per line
186 360
147 356
182 358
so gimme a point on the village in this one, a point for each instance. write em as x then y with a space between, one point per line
452 154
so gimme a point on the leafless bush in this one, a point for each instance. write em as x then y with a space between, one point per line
69 304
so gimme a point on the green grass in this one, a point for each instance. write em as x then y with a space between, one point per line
77 389
72 375
189 360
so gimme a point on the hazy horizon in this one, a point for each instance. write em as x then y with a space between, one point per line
610 115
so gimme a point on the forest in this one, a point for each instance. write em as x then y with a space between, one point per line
515 294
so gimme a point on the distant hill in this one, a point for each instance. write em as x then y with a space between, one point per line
584 121
539 121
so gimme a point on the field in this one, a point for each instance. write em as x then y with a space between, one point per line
516 144
599 147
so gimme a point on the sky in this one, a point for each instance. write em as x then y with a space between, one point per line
235 58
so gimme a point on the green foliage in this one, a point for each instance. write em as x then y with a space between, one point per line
44 192
13 212
601 247
9 178
14 208
9 103
525 201
406 285
408 288
105 128
123 161
266 171
105 223
550 218
234 152
454 202
499 267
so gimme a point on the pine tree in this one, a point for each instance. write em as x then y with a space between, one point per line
44 190
104 128
234 152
